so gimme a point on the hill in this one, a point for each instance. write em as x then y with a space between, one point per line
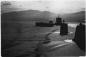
74 17
29 15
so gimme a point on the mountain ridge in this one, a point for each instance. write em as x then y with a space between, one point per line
74 17
28 15
36 15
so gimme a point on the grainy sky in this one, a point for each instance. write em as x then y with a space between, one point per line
55 6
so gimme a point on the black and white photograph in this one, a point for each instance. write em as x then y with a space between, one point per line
43 28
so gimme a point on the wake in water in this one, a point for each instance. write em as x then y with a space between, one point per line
72 25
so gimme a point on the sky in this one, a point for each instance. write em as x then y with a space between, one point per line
55 6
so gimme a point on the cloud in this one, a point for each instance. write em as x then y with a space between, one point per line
55 6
